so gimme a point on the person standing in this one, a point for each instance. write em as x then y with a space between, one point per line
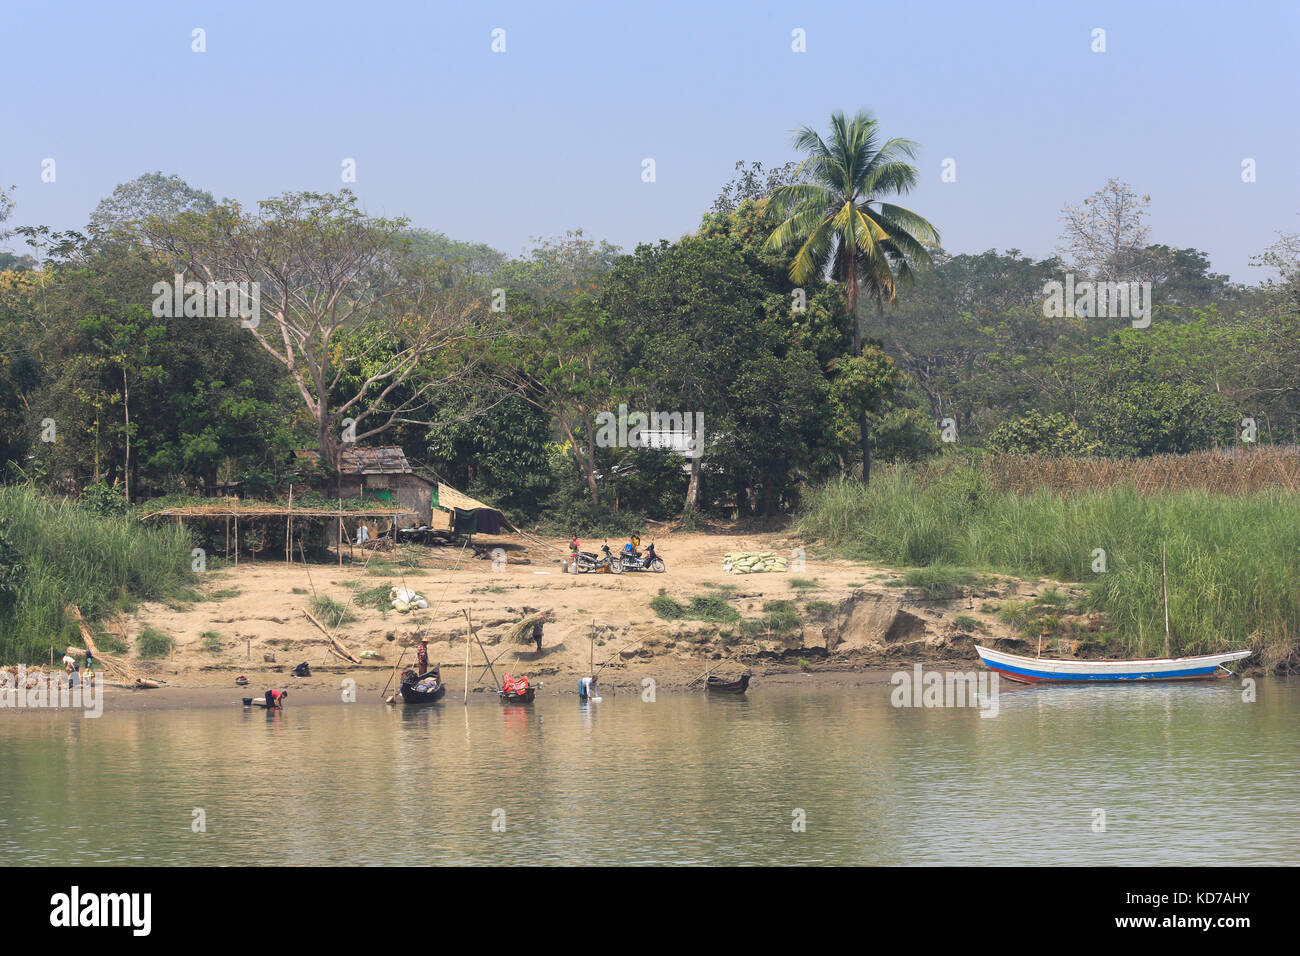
422 657
537 631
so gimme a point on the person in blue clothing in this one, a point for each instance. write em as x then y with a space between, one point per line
586 688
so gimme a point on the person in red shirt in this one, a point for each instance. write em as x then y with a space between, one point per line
275 699
422 657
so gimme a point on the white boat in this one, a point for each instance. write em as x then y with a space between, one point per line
1033 670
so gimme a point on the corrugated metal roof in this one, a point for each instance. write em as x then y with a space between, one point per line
383 460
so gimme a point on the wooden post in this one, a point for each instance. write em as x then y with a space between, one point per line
227 539
236 540
288 530
248 648
1164 589
340 532
466 700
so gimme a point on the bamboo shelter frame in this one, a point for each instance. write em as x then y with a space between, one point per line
227 511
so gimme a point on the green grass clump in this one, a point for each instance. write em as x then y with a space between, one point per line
225 593
939 580
211 641
56 553
110 643
803 583
299 591
153 644
703 607
1234 579
964 622
330 612
376 597
819 609
667 608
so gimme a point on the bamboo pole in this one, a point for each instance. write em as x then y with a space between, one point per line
1164 587
340 532
466 700
236 541
288 531
470 625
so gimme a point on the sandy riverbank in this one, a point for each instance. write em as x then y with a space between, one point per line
853 619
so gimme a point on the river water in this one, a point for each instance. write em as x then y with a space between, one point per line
1185 774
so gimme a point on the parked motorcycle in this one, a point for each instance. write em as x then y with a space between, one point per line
605 562
648 561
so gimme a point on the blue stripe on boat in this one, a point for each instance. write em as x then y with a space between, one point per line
1123 675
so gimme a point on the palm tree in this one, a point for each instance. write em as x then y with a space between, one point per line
840 222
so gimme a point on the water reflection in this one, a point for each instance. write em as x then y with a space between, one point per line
1184 773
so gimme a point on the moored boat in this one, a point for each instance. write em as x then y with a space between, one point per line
1035 670
716 685
515 697
424 688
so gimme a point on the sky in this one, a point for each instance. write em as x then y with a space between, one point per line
551 134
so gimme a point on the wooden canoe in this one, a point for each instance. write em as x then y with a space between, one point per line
716 685
412 694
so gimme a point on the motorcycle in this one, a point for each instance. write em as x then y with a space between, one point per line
649 561
605 563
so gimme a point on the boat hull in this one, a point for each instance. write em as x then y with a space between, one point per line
412 695
715 685
1033 670
512 698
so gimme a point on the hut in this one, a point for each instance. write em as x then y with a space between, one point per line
458 513
383 474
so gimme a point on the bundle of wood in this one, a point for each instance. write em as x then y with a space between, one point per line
522 633
114 667
33 675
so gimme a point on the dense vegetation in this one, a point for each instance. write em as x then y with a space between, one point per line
1233 580
56 553
811 323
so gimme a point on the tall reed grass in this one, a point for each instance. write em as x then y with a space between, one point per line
1233 561
66 555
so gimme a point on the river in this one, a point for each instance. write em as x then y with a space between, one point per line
1184 774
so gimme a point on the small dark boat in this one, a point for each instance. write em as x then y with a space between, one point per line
412 693
716 685
513 697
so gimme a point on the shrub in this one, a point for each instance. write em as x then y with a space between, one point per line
153 644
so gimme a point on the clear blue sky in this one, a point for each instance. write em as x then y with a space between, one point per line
550 135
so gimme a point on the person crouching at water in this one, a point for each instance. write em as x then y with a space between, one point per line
586 688
275 699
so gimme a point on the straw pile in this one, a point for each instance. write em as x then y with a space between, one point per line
522 633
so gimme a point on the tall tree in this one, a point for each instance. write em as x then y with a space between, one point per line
1104 235
840 221
342 290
